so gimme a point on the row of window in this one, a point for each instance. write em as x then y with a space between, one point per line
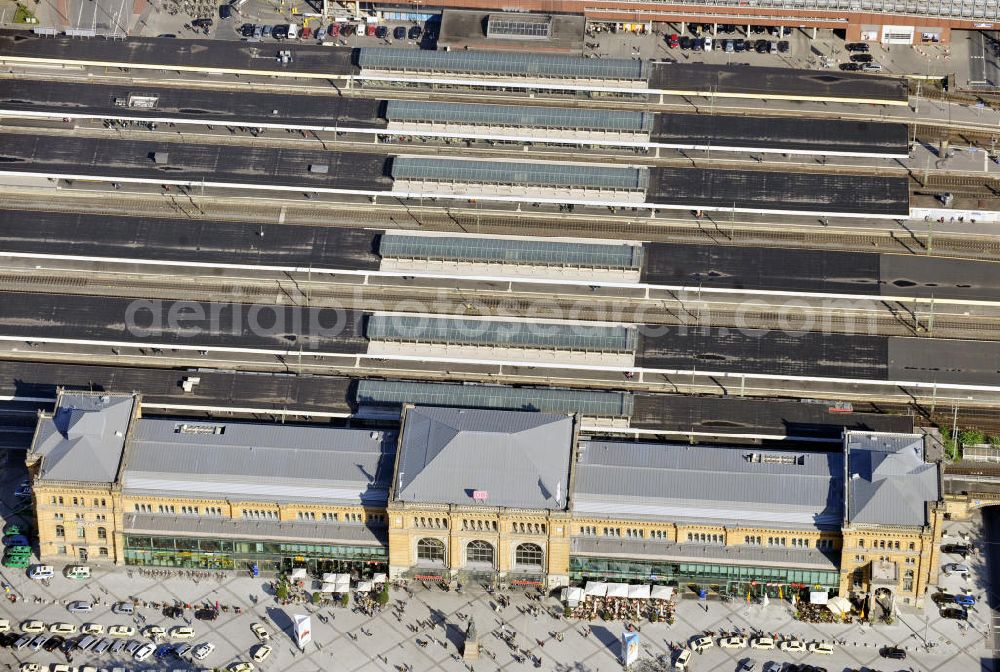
79 501
528 528
260 514
438 523
479 552
887 544
81 532
80 518
102 551
334 517
479 525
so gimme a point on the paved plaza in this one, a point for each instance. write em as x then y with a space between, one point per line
391 639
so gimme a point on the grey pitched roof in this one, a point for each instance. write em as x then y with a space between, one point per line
84 438
740 485
259 462
520 459
890 483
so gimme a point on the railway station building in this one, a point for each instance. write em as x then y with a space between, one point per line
485 495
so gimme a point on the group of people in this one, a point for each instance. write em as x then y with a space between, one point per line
623 608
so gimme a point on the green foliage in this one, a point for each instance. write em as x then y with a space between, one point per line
317 597
383 595
23 15
282 591
345 599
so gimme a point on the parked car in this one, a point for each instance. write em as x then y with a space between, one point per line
260 632
372 28
381 32
102 646
684 42
965 600
144 652
206 614
792 646
246 30
121 631
32 627
181 649
701 643
956 549
15 561
784 47
131 647
893 652
416 31
824 648
77 572
762 643
92 629
16 540
203 650
86 643
225 11
79 607
41 572
62 629
202 23
279 32
261 653
682 660
181 632
117 647
15 528
872 67
733 642
39 641
399 33
154 632
173 612
957 613
850 67
53 643
858 46
164 651
23 490
861 58
956 568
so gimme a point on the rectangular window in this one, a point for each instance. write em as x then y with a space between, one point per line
61 550
81 533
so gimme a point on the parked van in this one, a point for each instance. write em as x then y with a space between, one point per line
293 31
78 572
41 572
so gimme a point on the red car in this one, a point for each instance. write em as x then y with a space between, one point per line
333 30
673 40
371 29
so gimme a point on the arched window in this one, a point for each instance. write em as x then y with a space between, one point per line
430 550
528 554
479 552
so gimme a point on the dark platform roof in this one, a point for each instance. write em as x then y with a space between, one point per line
500 63
768 352
395 393
758 82
192 103
104 318
761 268
534 251
781 133
163 386
933 360
207 54
497 333
557 33
777 190
523 116
756 416
221 163
921 275
531 174
187 240
243 528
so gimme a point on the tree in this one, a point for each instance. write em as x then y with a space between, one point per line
282 591
345 600
383 595
317 597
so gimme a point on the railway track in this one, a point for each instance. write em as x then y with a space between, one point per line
687 314
734 232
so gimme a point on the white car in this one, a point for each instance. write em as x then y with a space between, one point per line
792 646
30 667
203 651
734 642
241 667
762 643
62 629
260 632
182 632
4 625
41 572
261 653
154 631
144 652
32 627
956 568
683 658
92 629
824 648
701 643
121 631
